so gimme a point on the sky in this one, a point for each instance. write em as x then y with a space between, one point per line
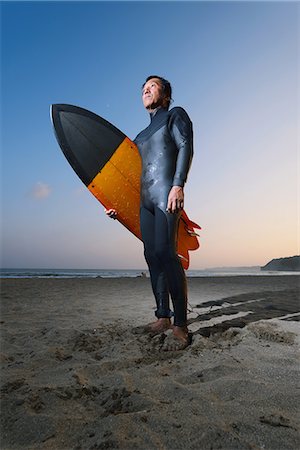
233 67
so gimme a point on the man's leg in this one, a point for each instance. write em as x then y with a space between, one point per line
158 277
166 229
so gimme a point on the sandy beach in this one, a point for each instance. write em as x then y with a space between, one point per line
76 376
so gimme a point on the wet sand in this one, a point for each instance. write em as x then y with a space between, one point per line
75 376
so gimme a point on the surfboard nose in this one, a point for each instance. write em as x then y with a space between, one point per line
87 140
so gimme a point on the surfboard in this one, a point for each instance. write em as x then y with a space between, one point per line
109 164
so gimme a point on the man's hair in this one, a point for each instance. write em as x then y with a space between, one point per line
166 85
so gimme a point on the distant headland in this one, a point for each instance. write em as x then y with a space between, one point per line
291 264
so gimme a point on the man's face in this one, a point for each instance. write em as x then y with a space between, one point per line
152 94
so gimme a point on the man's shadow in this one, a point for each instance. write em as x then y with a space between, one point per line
255 306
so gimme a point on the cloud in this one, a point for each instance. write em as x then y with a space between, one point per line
41 190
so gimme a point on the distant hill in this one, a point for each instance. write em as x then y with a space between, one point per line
291 263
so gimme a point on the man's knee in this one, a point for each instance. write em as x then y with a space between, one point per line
150 256
165 255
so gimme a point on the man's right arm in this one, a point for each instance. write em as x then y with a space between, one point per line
181 130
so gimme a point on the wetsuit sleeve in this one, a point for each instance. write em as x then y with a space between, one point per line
181 130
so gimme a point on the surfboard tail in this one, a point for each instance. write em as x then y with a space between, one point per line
187 239
189 222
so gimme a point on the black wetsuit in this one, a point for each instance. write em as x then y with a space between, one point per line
166 149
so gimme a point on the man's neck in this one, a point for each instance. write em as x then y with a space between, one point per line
153 112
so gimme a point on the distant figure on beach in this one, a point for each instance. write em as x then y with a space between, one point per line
166 149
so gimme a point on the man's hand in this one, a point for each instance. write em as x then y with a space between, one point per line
175 199
112 213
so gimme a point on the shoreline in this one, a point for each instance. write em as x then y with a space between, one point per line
133 273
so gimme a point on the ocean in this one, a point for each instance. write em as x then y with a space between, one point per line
113 273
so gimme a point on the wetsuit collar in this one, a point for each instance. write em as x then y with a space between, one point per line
157 112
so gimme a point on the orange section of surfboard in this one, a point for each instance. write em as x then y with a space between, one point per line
117 185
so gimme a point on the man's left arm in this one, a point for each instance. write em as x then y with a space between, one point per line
181 130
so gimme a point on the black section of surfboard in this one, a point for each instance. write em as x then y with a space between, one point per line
87 140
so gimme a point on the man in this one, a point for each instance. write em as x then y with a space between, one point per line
166 149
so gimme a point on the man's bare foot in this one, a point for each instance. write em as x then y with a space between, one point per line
182 333
157 327
161 325
179 340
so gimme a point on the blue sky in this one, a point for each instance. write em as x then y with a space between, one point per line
233 67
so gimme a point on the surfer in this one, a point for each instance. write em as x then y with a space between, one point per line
166 149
